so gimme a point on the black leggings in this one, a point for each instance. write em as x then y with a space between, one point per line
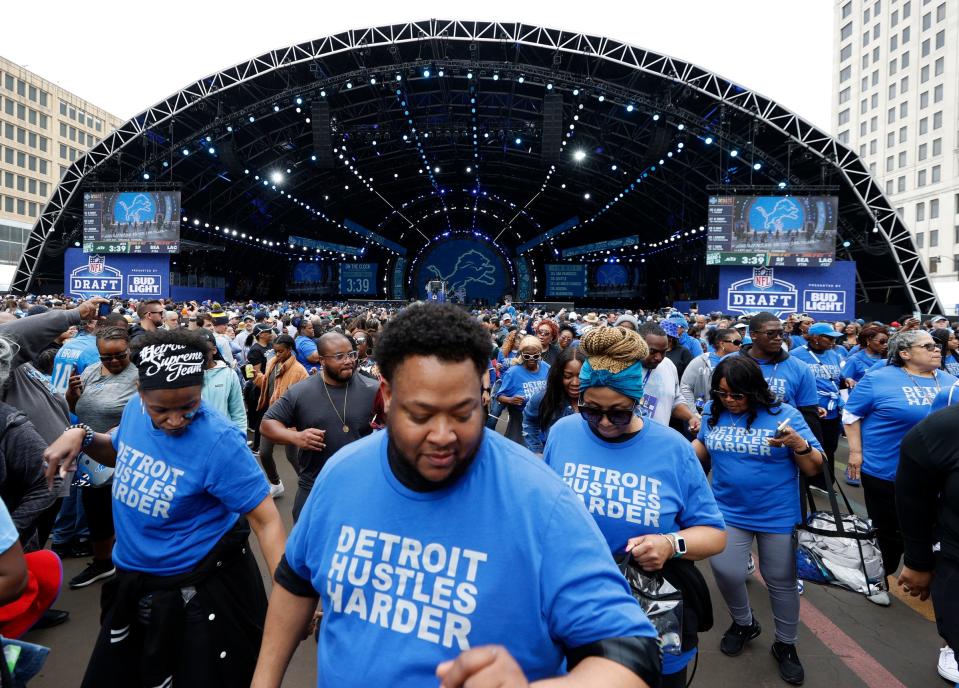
830 431
881 506
98 506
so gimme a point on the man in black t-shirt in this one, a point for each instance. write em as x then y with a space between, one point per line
324 413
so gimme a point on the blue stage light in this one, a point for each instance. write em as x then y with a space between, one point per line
146 175
629 108
186 151
733 153
655 118
426 73
757 166
708 140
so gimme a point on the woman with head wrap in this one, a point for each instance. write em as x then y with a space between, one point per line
188 594
639 480
521 382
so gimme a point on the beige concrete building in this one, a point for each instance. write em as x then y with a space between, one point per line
43 128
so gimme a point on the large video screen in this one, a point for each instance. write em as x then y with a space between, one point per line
773 231
358 278
131 222
614 279
565 280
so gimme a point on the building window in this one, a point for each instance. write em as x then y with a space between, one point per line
904 60
845 74
862 151
63 108
874 101
933 238
863 106
920 240
862 128
927 21
933 264
872 147
889 163
873 124
939 66
865 38
872 169
846 10
923 150
904 84
921 178
844 95
889 187
891 115
900 185
906 9
843 136
924 125
63 129
934 209
865 16
894 18
875 54
924 74
875 77
891 139
941 13
920 212
903 108
845 53
937 94
936 173
940 39
875 30
894 42
937 120
864 84
21 207
937 147
902 159
924 100
844 117
892 66
892 91
926 47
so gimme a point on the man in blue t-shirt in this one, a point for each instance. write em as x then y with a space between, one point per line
790 380
825 361
74 356
444 552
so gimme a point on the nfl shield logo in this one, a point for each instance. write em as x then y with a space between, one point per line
95 264
763 277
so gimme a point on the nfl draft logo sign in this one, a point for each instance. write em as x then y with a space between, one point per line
762 292
96 278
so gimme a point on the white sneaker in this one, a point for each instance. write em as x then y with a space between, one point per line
750 565
801 586
947 665
277 490
881 598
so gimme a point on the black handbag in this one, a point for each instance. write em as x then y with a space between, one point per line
661 601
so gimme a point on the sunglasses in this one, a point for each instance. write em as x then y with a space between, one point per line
732 396
618 417
928 347
734 342
531 357
772 334
340 357
115 357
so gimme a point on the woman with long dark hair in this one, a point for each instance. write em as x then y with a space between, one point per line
948 345
558 400
873 342
639 480
756 458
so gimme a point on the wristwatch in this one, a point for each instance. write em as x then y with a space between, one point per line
805 451
679 543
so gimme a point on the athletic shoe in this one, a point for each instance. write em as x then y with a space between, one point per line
790 669
75 549
750 565
881 598
801 585
854 482
736 636
277 490
947 665
97 570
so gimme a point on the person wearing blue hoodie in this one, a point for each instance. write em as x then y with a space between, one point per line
221 387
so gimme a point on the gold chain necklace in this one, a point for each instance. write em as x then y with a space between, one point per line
346 428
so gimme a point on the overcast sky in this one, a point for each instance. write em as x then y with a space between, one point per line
125 56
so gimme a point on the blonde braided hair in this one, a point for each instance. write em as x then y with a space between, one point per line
613 348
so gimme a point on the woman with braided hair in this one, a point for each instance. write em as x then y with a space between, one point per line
640 480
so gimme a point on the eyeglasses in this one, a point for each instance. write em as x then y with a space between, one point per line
544 333
772 334
928 347
360 340
734 342
531 357
881 341
154 312
115 357
732 396
342 356
618 417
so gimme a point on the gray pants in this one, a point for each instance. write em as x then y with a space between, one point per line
777 561
268 463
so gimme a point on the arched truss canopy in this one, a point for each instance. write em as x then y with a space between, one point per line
438 126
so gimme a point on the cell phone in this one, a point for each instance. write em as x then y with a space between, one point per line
103 310
781 430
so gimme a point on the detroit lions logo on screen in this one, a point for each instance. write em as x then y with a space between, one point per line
470 267
777 214
134 207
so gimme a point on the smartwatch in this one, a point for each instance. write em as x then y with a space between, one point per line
679 544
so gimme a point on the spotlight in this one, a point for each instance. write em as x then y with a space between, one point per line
733 153
846 244
655 118
629 108
708 140
757 166
519 141
373 80
681 127
426 73
579 155
601 98
146 175
469 75
496 77
586 196
521 79
441 73
276 108
349 84
211 150
252 118
186 151
782 185
549 87
299 101
276 177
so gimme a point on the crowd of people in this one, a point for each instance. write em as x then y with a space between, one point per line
440 455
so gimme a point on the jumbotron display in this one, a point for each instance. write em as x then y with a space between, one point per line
131 222
773 231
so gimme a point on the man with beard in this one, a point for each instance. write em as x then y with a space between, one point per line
324 413
444 553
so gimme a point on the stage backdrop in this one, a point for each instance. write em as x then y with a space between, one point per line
824 293
471 268
113 276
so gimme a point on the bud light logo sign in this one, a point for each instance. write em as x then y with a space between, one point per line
116 276
823 293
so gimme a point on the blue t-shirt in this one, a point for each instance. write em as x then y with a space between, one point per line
505 555
791 381
890 402
858 364
651 483
8 530
947 397
692 344
519 381
827 369
305 346
756 485
175 497
952 365
76 353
